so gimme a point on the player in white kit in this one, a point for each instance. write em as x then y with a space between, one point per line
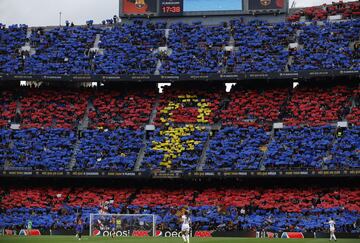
185 227
332 229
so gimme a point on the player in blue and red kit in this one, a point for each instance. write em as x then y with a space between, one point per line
79 227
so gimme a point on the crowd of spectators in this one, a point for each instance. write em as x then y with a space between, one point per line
183 104
346 150
61 51
196 48
259 46
7 107
129 48
317 105
55 208
128 109
254 107
354 114
114 150
299 148
234 148
175 148
11 40
345 9
46 108
37 149
327 47
305 209
112 122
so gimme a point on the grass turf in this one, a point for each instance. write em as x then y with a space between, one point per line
65 239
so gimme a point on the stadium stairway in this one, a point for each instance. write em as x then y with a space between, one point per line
298 33
74 154
328 154
7 164
27 46
141 154
289 63
84 123
202 159
158 66
169 51
97 41
167 31
154 110
231 45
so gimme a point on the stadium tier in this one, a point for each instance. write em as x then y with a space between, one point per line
103 130
281 209
148 47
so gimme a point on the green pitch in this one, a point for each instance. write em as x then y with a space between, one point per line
66 239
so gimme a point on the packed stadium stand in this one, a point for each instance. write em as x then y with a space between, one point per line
118 140
345 9
129 48
303 209
194 129
194 48
60 51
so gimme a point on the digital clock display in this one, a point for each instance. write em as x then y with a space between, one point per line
171 7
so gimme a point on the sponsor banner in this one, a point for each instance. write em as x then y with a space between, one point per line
348 72
257 76
183 77
320 73
167 174
117 233
292 235
171 234
140 233
179 174
230 77
169 77
64 232
33 232
203 234
286 75
339 235
247 234
9 232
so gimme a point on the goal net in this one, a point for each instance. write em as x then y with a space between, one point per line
122 225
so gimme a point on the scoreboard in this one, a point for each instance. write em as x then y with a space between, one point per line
159 8
171 7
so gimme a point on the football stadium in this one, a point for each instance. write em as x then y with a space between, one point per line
182 121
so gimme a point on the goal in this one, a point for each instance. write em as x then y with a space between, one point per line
122 225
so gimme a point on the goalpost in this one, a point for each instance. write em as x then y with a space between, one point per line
122 225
